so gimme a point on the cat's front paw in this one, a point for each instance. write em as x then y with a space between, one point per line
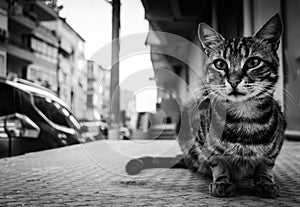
266 190
222 189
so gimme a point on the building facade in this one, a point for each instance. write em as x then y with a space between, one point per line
32 50
181 56
38 45
3 37
98 97
71 72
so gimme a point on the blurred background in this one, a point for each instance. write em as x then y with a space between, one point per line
64 81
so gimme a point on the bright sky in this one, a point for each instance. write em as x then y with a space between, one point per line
92 19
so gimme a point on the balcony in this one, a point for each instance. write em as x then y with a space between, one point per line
42 11
20 52
31 27
28 56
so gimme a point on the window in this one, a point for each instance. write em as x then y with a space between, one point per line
55 112
44 50
7 99
43 76
2 64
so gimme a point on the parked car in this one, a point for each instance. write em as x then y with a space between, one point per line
33 118
93 130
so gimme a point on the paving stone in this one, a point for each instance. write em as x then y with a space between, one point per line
93 174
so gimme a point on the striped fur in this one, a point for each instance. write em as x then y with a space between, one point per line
239 133
234 129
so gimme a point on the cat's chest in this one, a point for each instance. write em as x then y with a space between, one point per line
244 159
238 152
246 124
242 111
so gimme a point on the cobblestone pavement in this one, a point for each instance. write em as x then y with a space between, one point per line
93 175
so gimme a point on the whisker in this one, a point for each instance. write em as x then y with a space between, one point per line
288 95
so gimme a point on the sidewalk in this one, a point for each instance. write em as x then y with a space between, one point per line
93 174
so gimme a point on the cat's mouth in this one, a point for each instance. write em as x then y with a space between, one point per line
236 93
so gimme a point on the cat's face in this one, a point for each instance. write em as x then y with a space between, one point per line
242 69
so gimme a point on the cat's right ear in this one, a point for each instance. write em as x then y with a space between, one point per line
209 38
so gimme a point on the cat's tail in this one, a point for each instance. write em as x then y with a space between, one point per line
135 166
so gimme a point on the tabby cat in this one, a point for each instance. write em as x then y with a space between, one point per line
235 129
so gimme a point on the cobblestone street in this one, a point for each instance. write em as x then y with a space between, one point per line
93 174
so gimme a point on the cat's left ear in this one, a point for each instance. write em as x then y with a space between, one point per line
209 38
271 31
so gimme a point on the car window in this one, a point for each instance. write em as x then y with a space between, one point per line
53 111
6 100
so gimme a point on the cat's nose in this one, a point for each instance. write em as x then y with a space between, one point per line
234 83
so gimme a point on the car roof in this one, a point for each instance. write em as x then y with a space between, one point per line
35 89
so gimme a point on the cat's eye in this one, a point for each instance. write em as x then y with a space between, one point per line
252 62
220 64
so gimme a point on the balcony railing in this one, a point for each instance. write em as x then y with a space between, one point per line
45 10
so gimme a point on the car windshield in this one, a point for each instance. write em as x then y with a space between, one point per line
55 112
